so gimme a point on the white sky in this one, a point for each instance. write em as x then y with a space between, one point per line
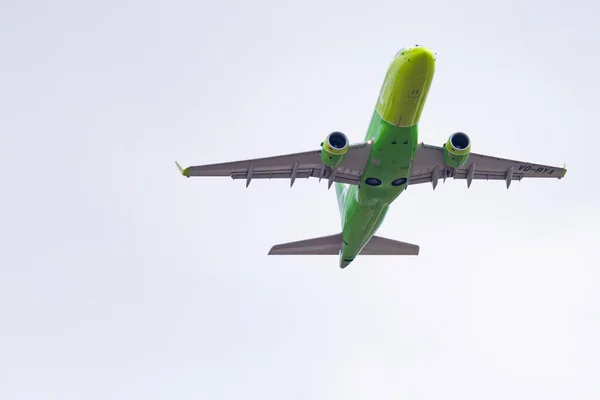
119 279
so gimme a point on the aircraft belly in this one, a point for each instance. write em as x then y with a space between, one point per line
394 132
389 165
394 126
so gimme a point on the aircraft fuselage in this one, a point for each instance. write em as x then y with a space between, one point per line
394 134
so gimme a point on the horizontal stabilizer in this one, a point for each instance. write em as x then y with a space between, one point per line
380 246
326 245
331 245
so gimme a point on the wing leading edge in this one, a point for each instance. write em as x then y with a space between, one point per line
290 166
429 166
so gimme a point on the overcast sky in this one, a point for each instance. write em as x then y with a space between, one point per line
120 279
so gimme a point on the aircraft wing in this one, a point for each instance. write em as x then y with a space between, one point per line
429 166
291 166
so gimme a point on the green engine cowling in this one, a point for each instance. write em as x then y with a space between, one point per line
334 149
457 150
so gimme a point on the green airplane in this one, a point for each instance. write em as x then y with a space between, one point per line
370 175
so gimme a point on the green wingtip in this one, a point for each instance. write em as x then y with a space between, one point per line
565 170
184 172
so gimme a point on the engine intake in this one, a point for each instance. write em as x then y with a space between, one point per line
457 150
334 150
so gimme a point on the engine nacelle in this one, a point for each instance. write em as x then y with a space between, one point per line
457 150
334 150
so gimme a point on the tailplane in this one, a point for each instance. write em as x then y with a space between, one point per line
332 245
380 246
326 245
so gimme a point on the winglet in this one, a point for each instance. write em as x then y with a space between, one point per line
184 172
565 171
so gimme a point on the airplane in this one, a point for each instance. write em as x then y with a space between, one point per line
370 175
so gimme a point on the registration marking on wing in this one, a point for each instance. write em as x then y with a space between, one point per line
539 170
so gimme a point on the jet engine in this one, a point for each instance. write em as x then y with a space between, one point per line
334 149
457 150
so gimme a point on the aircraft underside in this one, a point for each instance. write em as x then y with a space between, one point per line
370 175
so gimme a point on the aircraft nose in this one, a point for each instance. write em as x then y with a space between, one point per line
417 53
406 85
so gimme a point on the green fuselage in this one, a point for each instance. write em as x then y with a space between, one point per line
394 134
